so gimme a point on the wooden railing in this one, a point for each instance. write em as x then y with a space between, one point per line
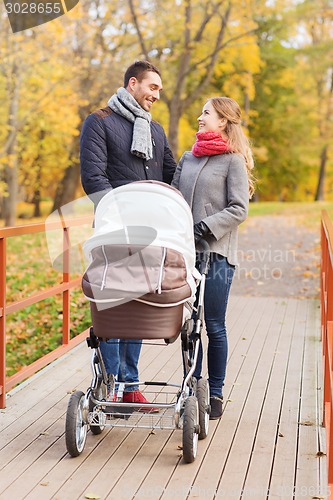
64 289
326 297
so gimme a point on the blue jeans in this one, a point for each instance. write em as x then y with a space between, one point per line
121 358
216 296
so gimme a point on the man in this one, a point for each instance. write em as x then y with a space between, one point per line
121 144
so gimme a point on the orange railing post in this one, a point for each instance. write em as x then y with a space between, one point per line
64 288
326 302
66 292
2 322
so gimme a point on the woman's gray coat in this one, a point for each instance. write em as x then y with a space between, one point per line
216 188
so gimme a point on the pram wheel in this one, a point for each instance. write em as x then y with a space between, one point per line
76 428
190 429
204 407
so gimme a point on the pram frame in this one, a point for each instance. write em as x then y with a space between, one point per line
190 410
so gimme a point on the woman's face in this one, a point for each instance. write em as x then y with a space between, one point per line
210 121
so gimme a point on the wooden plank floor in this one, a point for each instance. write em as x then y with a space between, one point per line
268 444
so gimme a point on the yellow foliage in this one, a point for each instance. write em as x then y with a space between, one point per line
61 71
160 114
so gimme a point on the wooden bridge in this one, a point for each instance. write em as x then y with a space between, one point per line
269 443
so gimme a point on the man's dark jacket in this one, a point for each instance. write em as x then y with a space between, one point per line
106 160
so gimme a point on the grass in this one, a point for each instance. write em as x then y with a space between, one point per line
307 214
37 329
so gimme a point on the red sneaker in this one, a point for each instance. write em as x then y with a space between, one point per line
110 409
138 397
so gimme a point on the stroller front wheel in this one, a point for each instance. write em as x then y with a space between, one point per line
190 429
76 428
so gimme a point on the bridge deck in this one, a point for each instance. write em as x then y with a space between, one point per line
268 444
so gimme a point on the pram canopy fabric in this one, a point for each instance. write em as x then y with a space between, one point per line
142 247
145 204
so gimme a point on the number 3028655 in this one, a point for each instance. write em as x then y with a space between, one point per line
34 8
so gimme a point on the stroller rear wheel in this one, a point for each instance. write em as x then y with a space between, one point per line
76 428
204 407
190 429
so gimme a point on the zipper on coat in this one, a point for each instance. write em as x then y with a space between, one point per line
105 269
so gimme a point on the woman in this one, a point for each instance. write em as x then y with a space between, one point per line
216 181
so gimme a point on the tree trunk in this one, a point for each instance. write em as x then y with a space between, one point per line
322 174
36 203
69 184
10 170
37 194
67 188
245 121
9 202
174 118
10 176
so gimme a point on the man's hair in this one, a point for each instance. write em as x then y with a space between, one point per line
138 70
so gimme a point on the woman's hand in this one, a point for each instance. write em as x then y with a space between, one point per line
201 230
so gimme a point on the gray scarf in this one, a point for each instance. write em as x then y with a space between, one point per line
125 105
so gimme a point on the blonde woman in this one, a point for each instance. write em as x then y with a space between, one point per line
215 179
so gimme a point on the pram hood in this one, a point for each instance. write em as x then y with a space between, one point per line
142 248
144 204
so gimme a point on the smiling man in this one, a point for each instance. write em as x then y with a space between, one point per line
146 91
122 144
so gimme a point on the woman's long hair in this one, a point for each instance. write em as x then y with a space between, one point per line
239 143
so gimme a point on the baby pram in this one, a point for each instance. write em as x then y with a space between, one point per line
142 283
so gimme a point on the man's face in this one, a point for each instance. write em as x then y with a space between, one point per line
147 91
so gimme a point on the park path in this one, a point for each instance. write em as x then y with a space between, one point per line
278 257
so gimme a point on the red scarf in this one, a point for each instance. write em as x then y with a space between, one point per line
209 144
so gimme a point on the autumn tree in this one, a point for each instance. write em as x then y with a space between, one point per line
97 39
45 145
28 79
269 125
51 77
274 58
188 41
315 23
11 72
276 123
